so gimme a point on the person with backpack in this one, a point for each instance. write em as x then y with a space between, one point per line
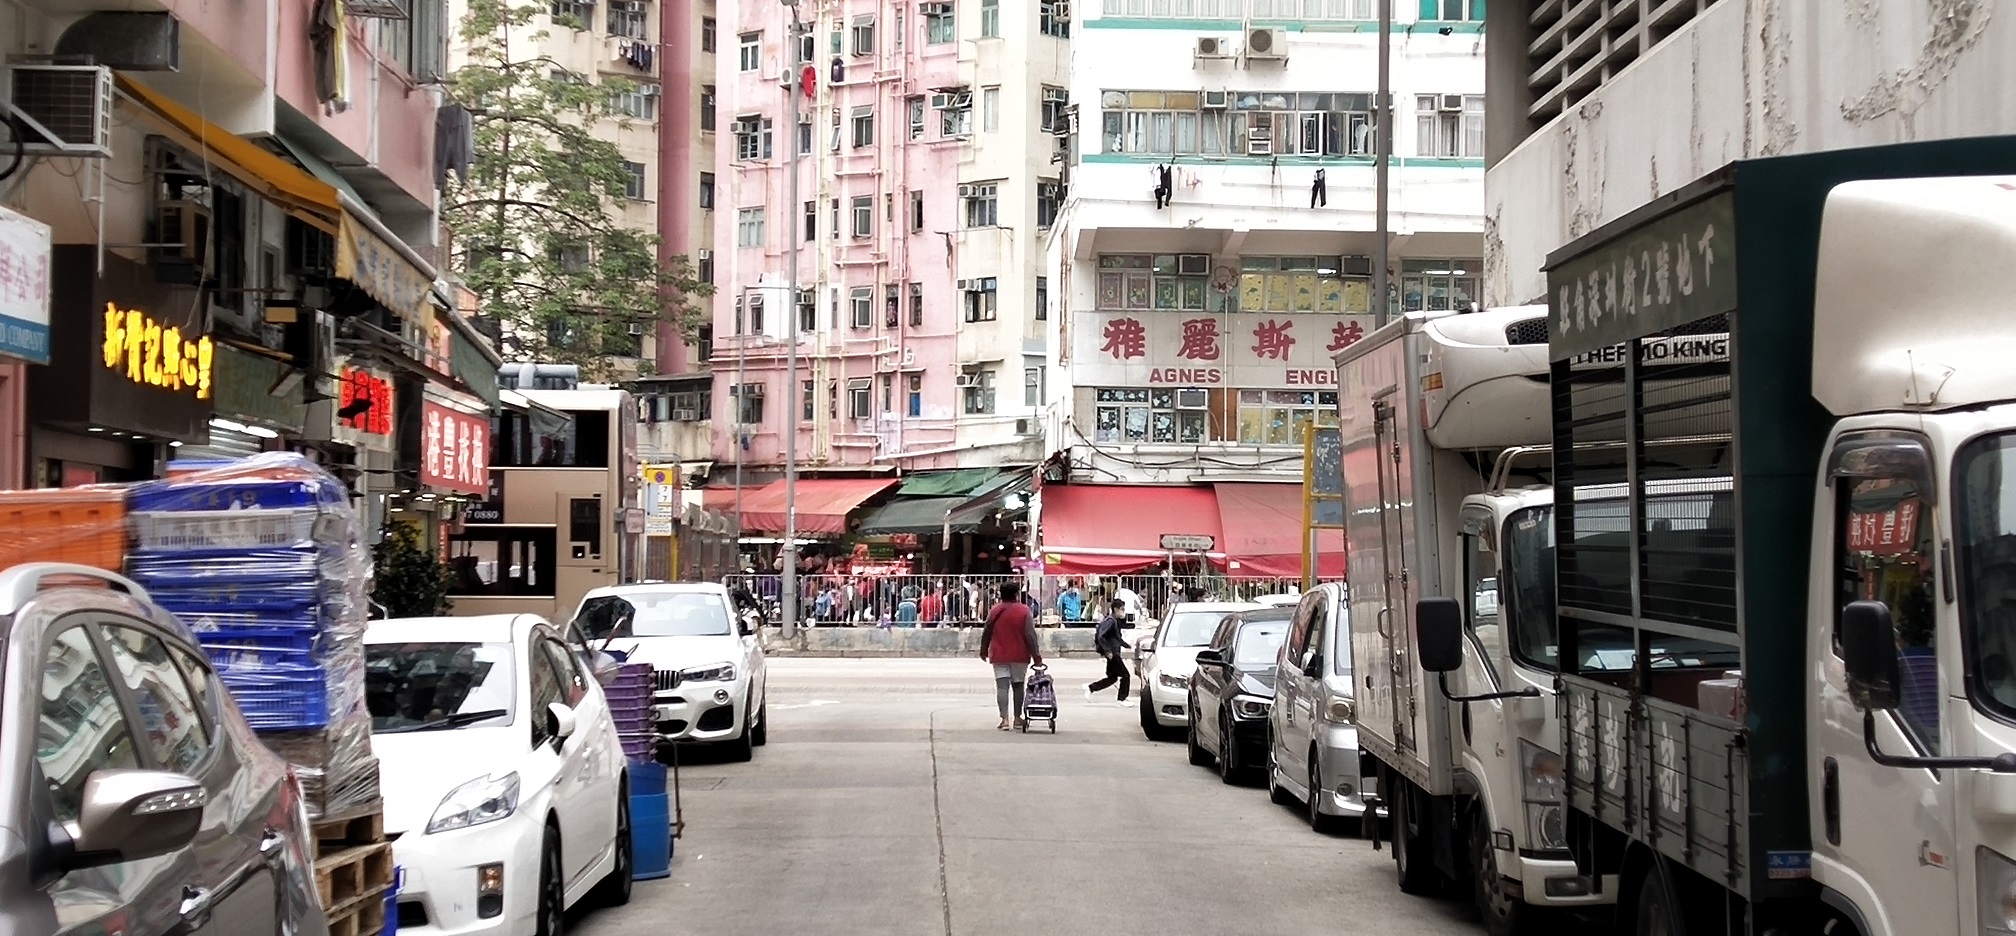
1008 640
1107 640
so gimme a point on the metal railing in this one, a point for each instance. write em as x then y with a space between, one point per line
943 600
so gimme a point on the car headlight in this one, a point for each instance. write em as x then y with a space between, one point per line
712 672
1340 710
484 799
1545 793
1172 681
1250 706
1995 891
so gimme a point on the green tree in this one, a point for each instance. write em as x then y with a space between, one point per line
537 229
410 580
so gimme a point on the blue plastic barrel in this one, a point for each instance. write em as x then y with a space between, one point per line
647 778
650 836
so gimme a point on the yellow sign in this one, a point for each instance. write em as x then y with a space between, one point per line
382 272
661 474
159 356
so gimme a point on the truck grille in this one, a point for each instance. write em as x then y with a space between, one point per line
666 679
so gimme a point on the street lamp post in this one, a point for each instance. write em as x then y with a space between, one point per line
792 388
1382 153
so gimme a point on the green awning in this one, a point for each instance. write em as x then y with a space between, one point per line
960 482
975 511
916 515
474 369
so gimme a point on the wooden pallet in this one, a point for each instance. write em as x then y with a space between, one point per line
362 826
362 915
353 872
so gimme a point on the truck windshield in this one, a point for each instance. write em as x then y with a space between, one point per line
1985 515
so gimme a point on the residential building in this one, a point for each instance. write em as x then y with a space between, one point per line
1592 116
1216 247
676 401
925 185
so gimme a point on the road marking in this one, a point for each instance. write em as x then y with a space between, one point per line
794 705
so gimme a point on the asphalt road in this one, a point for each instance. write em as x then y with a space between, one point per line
887 804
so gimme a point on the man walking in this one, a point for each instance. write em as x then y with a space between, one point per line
1107 640
1009 642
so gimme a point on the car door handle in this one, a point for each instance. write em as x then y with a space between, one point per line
195 909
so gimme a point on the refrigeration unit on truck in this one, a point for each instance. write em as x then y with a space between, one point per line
1444 425
1811 727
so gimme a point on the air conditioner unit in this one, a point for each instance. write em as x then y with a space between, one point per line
1259 142
685 415
65 109
1028 427
1193 264
1217 100
636 329
1452 103
1357 266
937 9
1212 47
965 284
966 380
1055 94
1266 44
965 191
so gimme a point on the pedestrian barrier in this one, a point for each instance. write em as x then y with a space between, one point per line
945 600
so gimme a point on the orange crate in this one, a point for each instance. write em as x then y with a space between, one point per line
82 525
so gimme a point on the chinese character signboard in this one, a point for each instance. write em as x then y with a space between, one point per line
124 354
1672 270
24 287
1884 533
147 351
454 449
367 399
382 272
1238 349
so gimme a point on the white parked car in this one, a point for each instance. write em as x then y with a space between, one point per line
1170 656
506 792
708 663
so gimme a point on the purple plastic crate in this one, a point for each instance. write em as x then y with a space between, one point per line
639 748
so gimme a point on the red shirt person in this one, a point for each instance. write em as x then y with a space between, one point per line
1008 640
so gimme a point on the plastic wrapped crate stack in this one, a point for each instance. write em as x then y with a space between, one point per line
263 558
630 705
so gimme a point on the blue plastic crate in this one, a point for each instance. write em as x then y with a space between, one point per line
205 619
229 493
297 565
298 600
279 697
225 529
230 645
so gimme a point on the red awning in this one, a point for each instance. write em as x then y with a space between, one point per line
1115 528
1263 533
823 504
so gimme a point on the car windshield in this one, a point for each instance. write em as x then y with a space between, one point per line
1190 628
418 686
1258 643
655 614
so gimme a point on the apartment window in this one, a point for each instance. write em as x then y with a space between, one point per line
839 35
749 227
889 207
834 145
979 392
888 393
748 403
1456 11
1049 198
706 107
629 19
811 220
939 25
892 302
1032 386
633 181
864 126
861 306
1435 285
916 304
806 395
574 14
640 102
1042 298
1053 18
1450 125
808 44
691 405
981 203
1284 417
805 136
1305 284
751 51
990 109
752 138
863 35
858 402
1154 281
1056 119
864 215
916 210
1309 10
703 346
419 43
913 392
704 269
836 218
914 106
981 299
990 19
1236 123
808 310
707 31
1159 414
955 112
707 191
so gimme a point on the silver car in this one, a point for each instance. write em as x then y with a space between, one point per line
1313 749
137 799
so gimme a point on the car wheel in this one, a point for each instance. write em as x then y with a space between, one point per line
760 735
1318 820
1198 756
1500 912
1228 754
743 747
1277 793
614 891
552 887
1150 728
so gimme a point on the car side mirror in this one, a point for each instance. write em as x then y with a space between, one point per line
1438 628
1869 654
1210 657
128 815
560 723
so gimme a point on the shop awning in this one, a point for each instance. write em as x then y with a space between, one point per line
1262 524
973 513
921 515
823 504
1115 528
959 482
239 157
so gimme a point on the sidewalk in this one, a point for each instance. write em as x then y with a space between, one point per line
829 641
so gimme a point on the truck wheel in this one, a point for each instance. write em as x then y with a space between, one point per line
1411 858
1501 913
1657 912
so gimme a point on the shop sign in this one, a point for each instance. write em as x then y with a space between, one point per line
146 351
1206 349
243 384
382 272
1674 269
111 363
24 287
454 449
367 397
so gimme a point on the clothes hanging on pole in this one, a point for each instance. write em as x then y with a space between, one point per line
1319 191
1165 186
454 143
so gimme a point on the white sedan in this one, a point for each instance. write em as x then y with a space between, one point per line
707 663
1170 656
505 786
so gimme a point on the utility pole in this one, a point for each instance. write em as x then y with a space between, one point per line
735 400
793 389
1382 153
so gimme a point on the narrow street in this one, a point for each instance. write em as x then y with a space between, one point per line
887 803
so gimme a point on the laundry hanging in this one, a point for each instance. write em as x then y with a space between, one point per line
1165 185
1319 191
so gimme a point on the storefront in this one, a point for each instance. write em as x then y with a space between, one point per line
445 449
257 406
131 372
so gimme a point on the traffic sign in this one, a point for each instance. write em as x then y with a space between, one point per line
1188 542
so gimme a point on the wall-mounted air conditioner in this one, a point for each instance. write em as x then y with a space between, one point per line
1213 47
1217 100
1266 44
1193 264
636 329
1452 103
684 415
1259 142
966 380
65 109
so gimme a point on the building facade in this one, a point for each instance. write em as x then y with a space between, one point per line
925 184
1594 117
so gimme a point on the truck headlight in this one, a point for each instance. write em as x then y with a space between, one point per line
1170 681
712 672
1250 706
1995 891
484 799
1545 793
1340 710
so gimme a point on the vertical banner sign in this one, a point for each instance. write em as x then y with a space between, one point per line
661 498
454 449
24 288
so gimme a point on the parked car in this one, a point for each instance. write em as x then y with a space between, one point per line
1315 743
506 790
708 662
138 800
1286 600
1169 656
1232 692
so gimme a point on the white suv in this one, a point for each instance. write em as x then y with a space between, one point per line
709 665
1170 656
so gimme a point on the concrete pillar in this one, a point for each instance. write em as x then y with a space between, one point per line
1506 93
678 183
